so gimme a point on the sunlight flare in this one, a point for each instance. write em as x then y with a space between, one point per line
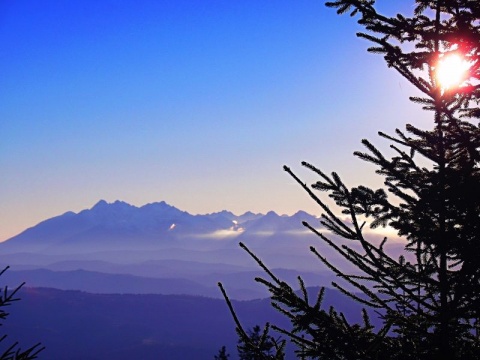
452 71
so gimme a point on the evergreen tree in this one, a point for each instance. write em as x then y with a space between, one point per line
252 344
222 354
429 298
12 351
261 347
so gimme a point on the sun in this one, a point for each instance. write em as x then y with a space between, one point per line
451 71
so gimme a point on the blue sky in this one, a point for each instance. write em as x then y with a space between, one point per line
198 103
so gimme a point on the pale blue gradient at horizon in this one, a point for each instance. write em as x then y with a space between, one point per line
198 103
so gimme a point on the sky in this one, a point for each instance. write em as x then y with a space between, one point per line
196 103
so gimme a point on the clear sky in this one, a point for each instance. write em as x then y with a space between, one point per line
195 102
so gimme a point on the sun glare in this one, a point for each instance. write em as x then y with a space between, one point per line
452 71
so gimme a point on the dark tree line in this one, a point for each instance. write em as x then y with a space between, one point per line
428 299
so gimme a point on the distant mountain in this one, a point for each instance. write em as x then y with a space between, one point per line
77 325
157 248
119 225
154 278
101 283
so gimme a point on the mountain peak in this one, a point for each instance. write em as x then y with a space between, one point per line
100 204
271 213
120 203
162 205
157 203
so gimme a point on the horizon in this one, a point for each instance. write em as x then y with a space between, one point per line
199 105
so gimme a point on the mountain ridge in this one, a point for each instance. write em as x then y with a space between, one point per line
121 224
78 325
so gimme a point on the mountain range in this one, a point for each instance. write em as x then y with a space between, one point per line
120 225
159 249
120 281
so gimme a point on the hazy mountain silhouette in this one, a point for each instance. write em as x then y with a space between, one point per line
159 249
121 225
115 280
117 248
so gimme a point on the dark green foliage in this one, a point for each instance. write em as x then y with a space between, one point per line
429 298
12 351
222 354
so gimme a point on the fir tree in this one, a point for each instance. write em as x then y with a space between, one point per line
222 354
262 346
12 351
429 298
253 344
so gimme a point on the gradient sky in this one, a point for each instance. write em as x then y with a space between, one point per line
195 102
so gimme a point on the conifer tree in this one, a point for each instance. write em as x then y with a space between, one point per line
222 354
264 347
428 299
13 351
